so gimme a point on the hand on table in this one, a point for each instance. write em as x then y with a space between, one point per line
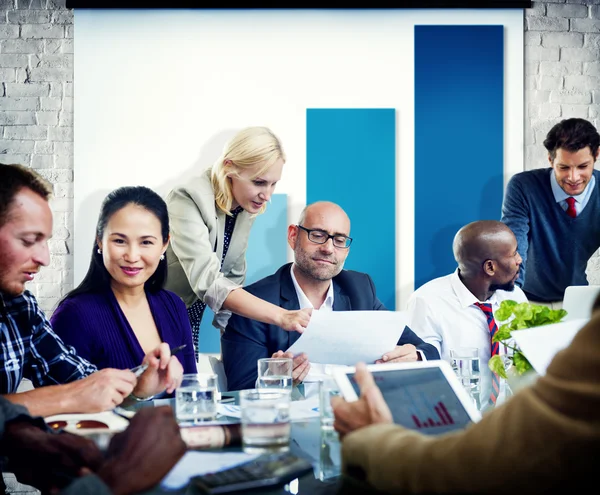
47 460
401 354
301 365
295 321
140 457
369 409
164 373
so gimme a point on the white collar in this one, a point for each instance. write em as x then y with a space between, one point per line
304 301
561 195
465 296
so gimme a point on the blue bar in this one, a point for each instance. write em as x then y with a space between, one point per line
267 251
351 160
459 138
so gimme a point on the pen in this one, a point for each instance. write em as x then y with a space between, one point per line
138 370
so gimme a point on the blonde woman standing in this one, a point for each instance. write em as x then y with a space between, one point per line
211 218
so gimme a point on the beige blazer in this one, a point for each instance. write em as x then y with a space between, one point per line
196 247
545 438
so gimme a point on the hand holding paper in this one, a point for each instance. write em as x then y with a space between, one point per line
346 337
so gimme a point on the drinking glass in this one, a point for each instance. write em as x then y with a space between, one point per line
465 363
327 389
330 451
329 454
265 420
196 398
275 373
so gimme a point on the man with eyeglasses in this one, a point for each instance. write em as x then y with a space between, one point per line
315 279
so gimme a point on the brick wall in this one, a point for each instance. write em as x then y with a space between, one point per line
562 79
36 117
562 76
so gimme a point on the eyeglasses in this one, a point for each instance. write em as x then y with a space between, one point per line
321 237
84 423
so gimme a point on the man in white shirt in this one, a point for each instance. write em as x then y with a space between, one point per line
317 280
445 312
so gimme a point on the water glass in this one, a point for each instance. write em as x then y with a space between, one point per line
329 454
265 420
196 398
328 388
275 373
465 363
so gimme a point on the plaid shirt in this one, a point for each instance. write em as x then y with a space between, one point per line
31 349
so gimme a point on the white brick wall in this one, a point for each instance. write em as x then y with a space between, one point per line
562 79
563 85
36 117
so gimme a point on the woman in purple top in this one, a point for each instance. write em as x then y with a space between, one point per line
120 311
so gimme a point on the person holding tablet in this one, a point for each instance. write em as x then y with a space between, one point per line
211 217
546 439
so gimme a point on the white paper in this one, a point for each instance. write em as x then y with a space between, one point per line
347 337
195 463
540 344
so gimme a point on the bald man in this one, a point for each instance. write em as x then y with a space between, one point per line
315 280
445 313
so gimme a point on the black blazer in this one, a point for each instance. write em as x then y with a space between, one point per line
245 341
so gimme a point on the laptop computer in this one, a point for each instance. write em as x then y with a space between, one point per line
579 299
423 395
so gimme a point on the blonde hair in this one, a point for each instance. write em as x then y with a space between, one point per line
252 148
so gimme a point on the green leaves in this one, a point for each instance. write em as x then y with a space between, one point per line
503 333
517 317
521 362
527 315
505 310
496 364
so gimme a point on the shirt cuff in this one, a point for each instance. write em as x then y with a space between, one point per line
217 293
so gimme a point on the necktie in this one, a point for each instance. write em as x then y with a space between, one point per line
571 211
494 346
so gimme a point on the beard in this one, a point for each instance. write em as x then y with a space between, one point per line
315 271
508 286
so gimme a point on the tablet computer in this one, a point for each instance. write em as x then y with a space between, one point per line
423 395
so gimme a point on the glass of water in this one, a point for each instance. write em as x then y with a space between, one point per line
265 420
196 398
275 373
328 388
465 363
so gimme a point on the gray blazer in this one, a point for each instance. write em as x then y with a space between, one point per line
196 247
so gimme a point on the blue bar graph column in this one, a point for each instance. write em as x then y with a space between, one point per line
458 138
351 160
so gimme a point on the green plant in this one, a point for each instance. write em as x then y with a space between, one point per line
517 317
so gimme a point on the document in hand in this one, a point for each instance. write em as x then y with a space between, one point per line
540 344
346 337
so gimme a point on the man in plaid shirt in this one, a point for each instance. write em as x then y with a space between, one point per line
65 382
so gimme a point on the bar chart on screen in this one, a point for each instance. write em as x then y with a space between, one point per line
443 416
423 400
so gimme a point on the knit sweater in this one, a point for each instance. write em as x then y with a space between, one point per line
97 327
555 247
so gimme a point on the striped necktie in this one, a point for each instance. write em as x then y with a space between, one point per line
495 346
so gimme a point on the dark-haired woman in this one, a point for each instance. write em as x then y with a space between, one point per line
120 311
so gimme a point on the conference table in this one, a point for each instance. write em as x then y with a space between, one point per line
320 447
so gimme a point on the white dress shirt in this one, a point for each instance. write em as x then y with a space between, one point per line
442 313
317 370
